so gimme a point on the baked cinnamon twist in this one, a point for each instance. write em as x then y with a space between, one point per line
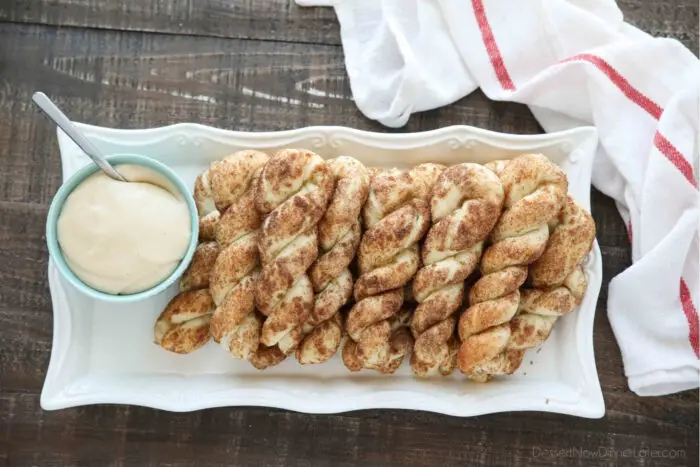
213 194
234 324
184 325
570 242
558 278
535 191
293 192
208 225
397 216
339 234
465 206
197 274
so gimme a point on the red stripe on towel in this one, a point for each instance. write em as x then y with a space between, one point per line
691 315
651 107
629 229
491 47
689 310
675 157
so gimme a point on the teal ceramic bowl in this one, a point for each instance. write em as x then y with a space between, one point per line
63 193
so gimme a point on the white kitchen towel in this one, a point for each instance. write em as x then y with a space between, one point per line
573 62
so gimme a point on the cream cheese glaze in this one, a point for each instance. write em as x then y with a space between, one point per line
124 238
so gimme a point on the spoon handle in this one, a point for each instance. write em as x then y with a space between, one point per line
55 114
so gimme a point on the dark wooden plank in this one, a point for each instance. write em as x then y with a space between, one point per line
109 435
282 20
677 19
278 20
135 80
139 80
25 305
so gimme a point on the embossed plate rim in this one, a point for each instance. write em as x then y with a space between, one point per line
64 389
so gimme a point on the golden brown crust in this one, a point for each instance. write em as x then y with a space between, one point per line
212 190
558 278
329 300
289 313
423 179
350 193
383 346
279 237
465 205
278 276
334 261
389 189
223 183
570 242
505 363
234 324
339 234
540 308
395 233
183 326
203 197
535 191
321 342
231 177
208 225
240 218
372 310
397 216
234 263
388 253
265 357
293 192
197 274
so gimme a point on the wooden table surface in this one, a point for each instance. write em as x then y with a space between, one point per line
252 65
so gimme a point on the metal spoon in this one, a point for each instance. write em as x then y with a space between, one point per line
60 119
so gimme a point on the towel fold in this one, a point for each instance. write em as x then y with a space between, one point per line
573 62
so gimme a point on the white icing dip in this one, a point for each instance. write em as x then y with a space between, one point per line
123 238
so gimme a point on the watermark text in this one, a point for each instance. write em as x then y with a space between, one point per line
604 452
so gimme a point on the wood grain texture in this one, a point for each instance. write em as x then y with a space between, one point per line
281 20
137 79
272 20
252 436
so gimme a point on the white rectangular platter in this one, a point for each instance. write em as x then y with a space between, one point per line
104 353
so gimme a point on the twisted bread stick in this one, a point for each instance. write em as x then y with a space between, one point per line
339 234
215 190
293 192
234 323
184 325
397 216
465 205
557 277
535 190
571 241
196 276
